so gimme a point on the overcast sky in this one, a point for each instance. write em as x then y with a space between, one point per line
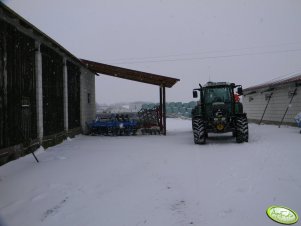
243 41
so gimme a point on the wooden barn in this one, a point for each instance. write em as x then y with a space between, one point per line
276 102
46 93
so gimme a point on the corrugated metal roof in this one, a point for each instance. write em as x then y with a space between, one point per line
275 83
129 74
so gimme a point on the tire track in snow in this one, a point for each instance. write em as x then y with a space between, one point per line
54 210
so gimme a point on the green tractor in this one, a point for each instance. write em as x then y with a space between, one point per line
218 111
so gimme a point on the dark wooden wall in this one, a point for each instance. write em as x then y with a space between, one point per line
53 91
73 95
18 122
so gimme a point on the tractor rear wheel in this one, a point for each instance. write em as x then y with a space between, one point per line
242 130
199 130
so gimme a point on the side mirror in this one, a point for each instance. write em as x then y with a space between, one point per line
195 94
239 91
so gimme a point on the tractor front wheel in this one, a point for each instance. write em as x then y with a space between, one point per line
242 130
199 130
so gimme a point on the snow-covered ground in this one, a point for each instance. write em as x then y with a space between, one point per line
155 180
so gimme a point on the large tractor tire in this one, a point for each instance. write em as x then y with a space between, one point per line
199 130
242 130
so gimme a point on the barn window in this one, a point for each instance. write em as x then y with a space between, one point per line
251 99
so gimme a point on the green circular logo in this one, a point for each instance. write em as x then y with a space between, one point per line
282 215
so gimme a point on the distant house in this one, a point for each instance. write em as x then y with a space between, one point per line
276 102
46 93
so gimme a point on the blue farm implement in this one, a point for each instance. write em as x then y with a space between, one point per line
146 121
298 120
113 126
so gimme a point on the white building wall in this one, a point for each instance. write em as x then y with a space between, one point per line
254 105
87 88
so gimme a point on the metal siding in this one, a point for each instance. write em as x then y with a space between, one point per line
295 107
278 104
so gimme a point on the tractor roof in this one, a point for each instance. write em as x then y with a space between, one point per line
213 84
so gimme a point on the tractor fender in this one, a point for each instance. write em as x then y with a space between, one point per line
197 112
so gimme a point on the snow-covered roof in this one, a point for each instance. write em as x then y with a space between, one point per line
275 83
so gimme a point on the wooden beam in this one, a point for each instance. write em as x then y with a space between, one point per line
161 109
164 111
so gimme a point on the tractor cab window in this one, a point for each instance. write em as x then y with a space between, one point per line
217 94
